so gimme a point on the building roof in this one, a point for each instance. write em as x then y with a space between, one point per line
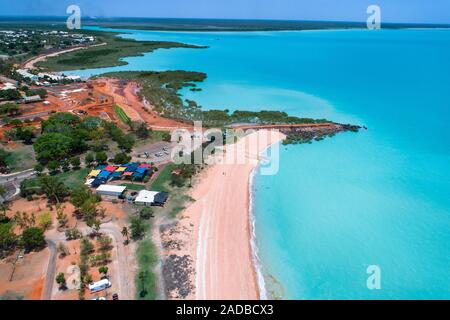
33 98
161 197
121 169
111 188
104 174
89 182
116 174
146 196
141 170
110 168
94 173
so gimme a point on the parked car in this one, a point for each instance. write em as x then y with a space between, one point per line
115 296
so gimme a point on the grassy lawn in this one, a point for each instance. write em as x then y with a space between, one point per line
147 257
121 114
162 181
21 158
74 179
155 136
134 187
178 201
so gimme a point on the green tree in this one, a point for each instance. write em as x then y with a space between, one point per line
105 243
61 216
33 239
54 189
104 270
89 211
146 213
45 221
53 146
25 134
53 166
11 109
80 195
61 281
65 165
142 276
5 206
5 159
8 239
62 250
126 234
95 224
24 220
140 129
101 157
137 228
75 162
16 123
39 168
87 279
89 159
121 158
86 247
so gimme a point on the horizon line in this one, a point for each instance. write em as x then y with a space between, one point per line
218 19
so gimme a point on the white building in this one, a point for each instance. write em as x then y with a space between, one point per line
8 86
25 74
53 77
32 99
110 190
73 78
146 198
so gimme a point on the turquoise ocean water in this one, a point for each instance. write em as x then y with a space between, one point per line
380 197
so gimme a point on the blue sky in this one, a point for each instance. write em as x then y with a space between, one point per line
426 11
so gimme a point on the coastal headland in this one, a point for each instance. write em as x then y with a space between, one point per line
199 245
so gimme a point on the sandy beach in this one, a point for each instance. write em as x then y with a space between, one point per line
220 228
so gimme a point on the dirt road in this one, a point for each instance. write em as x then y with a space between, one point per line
121 264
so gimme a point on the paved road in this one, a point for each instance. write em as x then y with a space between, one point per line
51 271
16 177
14 180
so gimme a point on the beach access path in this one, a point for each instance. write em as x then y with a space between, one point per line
223 256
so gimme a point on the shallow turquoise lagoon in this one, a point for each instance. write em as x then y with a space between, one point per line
380 197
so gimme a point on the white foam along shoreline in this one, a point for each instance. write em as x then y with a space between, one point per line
253 242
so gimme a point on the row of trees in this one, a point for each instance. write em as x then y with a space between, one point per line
65 135
10 95
32 238
9 109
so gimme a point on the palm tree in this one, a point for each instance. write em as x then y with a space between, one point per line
126 234
142 276
53 188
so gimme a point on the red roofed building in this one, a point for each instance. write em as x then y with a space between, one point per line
110 168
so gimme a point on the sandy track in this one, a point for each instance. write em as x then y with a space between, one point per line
223 254
30 64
